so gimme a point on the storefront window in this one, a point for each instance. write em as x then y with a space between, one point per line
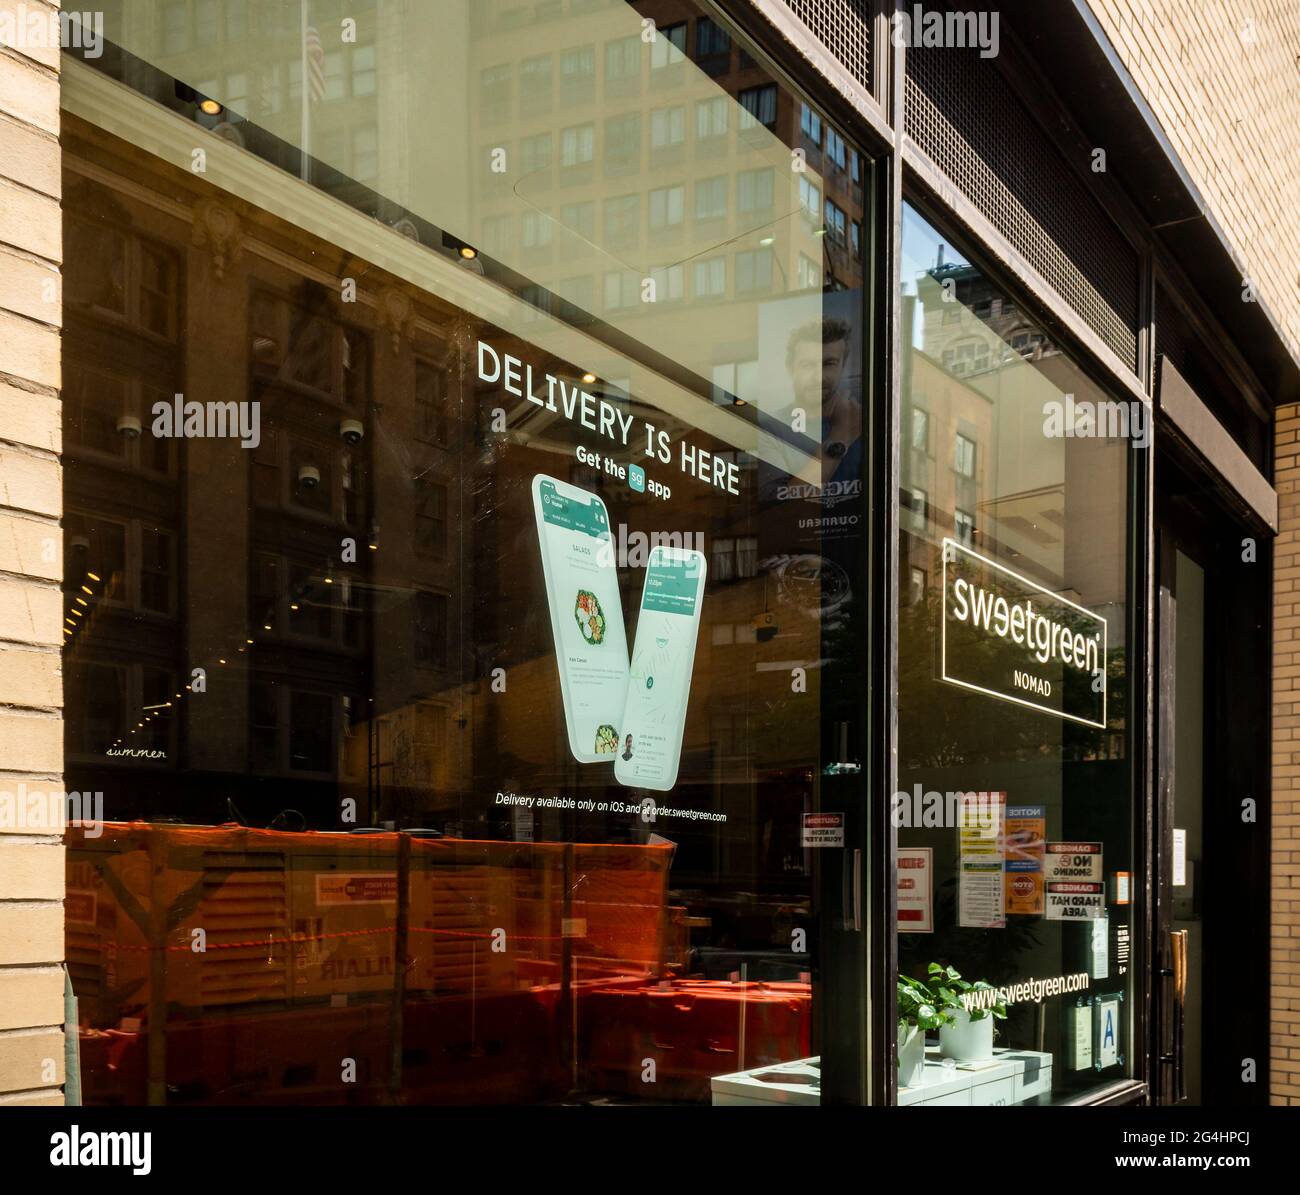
472 545
1014 806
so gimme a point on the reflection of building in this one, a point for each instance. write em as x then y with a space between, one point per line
996 484
603 162
347 585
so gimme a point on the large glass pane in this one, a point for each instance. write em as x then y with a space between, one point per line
1014 806
479 599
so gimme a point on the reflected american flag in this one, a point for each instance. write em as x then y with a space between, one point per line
314 64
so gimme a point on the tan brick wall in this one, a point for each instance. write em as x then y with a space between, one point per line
1221 77
1285 1051
31 564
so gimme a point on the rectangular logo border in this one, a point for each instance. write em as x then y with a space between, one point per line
943 636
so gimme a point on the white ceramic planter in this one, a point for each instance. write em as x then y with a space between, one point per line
911 1055
966 1040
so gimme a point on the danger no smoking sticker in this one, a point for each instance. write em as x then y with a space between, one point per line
1073 861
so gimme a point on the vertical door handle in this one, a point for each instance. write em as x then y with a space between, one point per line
857 890
851 893
1178 966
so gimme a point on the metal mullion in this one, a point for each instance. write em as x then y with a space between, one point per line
883 665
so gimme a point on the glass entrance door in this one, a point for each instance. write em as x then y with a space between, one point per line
1209 1029
1181 944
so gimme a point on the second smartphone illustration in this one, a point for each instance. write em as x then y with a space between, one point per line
663 659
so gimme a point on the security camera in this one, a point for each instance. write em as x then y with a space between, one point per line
352 431
765 626
308 477
128 426
79 543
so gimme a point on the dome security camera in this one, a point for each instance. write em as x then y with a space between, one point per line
79 543
308 477
352 431
129 426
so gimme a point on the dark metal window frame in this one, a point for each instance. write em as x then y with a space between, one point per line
875 120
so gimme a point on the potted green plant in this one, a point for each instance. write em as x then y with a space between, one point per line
967 1034
922 1007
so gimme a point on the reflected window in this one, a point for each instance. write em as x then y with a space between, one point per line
964 456
669 46
711 118
667 207
711 198
577 145
758 106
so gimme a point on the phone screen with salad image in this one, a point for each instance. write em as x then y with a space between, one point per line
659 681
586 614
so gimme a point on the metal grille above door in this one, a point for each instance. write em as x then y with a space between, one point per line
964 115
844 28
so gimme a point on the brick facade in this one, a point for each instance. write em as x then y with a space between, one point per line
31 567
1285 1065
1221 79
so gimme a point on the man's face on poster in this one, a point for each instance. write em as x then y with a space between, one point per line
817 369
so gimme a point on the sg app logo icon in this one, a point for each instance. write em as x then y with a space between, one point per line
636 478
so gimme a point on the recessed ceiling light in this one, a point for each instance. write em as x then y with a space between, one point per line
210 107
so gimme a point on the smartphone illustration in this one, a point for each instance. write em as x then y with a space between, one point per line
586 614
659 680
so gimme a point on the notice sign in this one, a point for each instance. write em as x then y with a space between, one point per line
1106 1013
915 890
1026 829
981 851
1012 639
363 888
1073 861
1078 1039
1071 900
823 829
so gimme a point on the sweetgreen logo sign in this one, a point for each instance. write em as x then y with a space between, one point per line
1013 639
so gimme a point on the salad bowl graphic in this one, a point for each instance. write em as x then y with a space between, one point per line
590 617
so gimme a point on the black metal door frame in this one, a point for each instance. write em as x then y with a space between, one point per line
1192 516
